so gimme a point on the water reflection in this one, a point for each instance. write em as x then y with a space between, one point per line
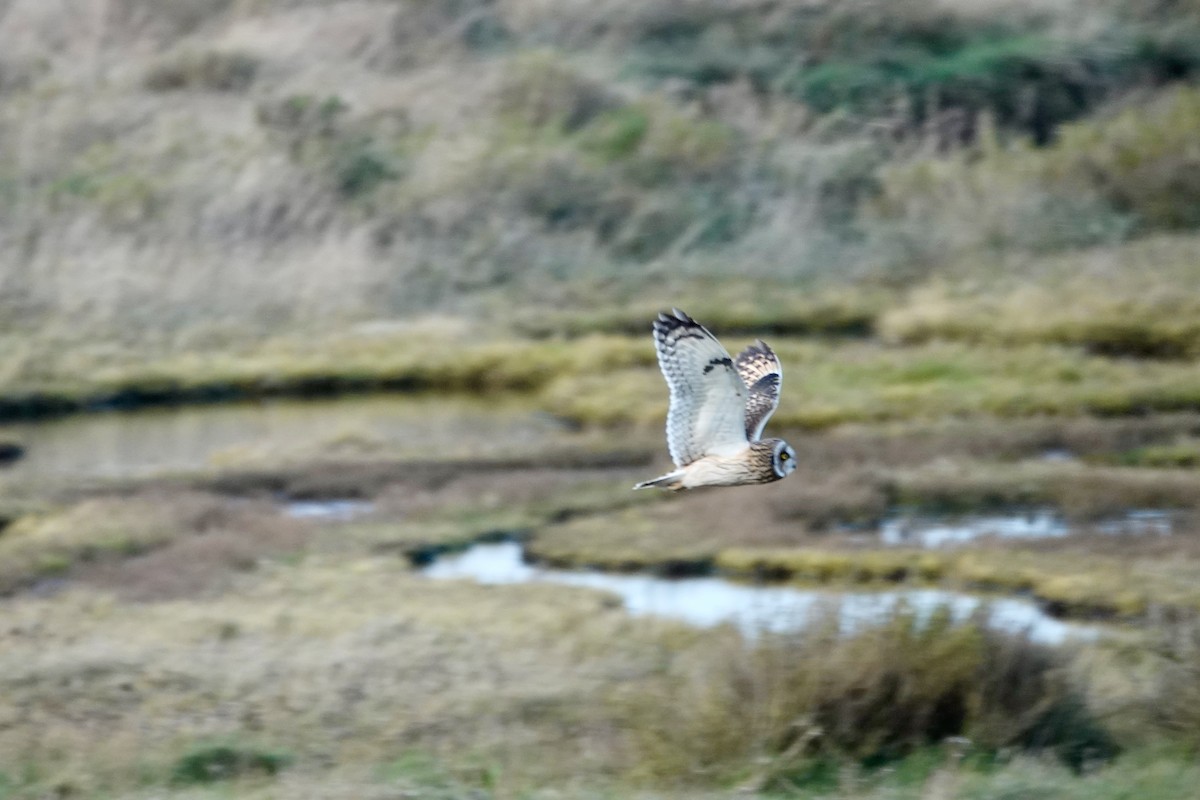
931 532
934 532
712 601
121 444
339 510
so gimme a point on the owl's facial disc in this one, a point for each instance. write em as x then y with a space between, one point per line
785 459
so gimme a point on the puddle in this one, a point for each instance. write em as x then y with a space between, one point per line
1145 521
707 602
933 532
340 510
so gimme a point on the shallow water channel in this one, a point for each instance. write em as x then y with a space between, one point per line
934 532
707 602
143 442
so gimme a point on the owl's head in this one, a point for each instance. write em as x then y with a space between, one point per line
783 459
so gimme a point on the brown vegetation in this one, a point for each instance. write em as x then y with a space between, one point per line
158 543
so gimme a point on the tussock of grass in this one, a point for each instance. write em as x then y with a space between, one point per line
875 697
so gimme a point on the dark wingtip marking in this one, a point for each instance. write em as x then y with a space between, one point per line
766 382
666 323
716 362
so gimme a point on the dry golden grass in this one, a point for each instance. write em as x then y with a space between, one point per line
344 662
1134 300
349 665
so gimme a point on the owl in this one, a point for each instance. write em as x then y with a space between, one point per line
718 407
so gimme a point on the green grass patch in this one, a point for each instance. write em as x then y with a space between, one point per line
1182 454
1074 584
288 367
833 383
215 763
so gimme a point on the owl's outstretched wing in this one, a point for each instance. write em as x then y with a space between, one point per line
762 374
708 399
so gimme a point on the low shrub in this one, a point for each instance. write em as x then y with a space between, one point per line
1143 160
1131 170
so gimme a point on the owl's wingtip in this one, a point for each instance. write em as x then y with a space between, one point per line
672 320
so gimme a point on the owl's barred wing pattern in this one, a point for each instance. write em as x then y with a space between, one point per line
708 399
762 373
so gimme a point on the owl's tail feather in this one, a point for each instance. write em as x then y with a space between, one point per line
672 480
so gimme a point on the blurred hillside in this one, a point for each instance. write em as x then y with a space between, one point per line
188 170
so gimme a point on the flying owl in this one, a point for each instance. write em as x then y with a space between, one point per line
718 408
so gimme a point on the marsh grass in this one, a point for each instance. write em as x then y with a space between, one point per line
1072 582
211 200
1082 493
227 681
786 703
1182 452
1086 299
820 528
158 544
333 652
846 382
609 379
291 367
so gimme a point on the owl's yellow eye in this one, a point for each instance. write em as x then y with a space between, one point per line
784 456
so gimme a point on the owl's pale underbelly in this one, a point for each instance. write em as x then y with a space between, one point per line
727 471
